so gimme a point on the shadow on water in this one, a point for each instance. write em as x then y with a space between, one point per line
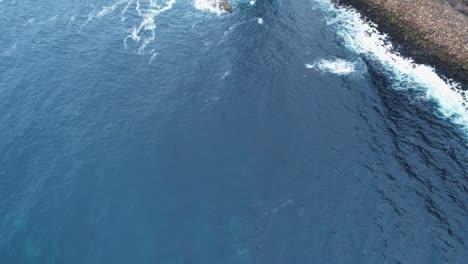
432 155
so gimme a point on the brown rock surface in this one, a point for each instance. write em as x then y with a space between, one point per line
224 4
431 31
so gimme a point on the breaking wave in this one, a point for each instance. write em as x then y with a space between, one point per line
363 38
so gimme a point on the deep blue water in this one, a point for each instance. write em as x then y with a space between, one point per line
211 142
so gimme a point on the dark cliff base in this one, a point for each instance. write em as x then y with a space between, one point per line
430 31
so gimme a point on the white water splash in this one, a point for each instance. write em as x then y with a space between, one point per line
252 2
211 6
337 66
260 21
366 40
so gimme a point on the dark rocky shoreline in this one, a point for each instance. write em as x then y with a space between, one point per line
433 32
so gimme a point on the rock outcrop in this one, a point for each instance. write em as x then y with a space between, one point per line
430 31
224 4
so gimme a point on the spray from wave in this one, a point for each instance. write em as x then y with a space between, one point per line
364 38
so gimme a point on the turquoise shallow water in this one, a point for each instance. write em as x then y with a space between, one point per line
164 132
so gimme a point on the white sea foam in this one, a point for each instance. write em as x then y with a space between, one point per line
364 38
260 21
145 32
147 10
211 6
53 18
226 74
153 56
252 2
72 18
125 9
109 9
336 66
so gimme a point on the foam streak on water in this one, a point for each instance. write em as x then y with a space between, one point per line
147 10
364 38
145 32
109 9
126 8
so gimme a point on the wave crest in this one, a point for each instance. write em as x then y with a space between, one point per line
363 38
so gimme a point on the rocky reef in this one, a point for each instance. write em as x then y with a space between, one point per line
433 32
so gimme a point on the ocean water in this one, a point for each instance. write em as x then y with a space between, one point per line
167 131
